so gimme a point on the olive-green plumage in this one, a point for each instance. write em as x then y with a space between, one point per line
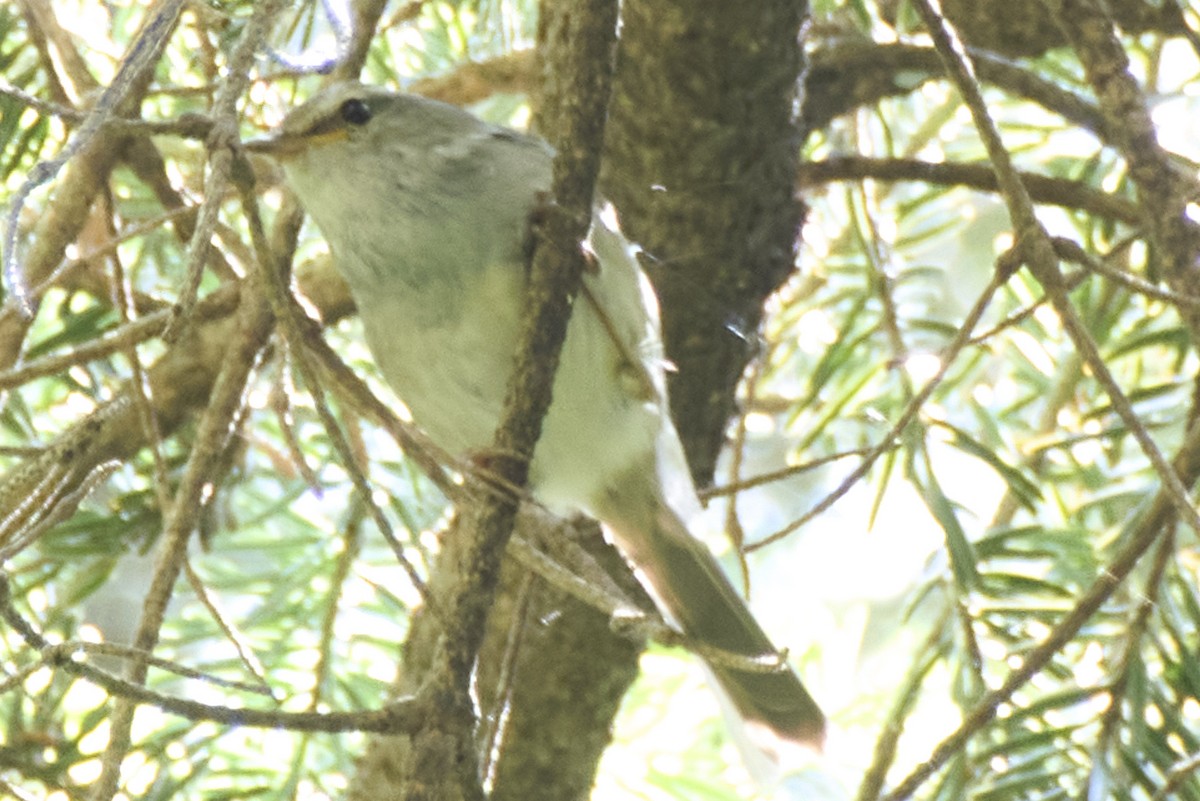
425 208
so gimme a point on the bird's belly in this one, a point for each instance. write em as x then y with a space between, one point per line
451 370
446 358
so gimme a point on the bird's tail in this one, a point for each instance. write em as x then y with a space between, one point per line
690 585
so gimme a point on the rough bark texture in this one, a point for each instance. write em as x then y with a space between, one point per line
568 675
568 670
466 587
1026 27
704 106
703 146
1165 192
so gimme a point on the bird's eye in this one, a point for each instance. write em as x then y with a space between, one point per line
356 111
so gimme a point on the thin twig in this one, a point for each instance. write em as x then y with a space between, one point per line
243 649
224 405
141 56
962 338
1037 250
782 474
1042 188
400 715
287 316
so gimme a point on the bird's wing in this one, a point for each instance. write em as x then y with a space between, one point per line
619 294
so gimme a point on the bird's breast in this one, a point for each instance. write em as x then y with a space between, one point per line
446 348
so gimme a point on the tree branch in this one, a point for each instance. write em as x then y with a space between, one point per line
468 569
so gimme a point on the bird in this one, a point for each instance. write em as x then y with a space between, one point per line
426 210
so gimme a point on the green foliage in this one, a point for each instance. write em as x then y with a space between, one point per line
1006 497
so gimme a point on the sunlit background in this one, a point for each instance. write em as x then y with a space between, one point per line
926 581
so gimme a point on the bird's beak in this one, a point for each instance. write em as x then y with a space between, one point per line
282 146
276 146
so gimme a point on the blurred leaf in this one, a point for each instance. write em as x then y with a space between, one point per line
962 555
